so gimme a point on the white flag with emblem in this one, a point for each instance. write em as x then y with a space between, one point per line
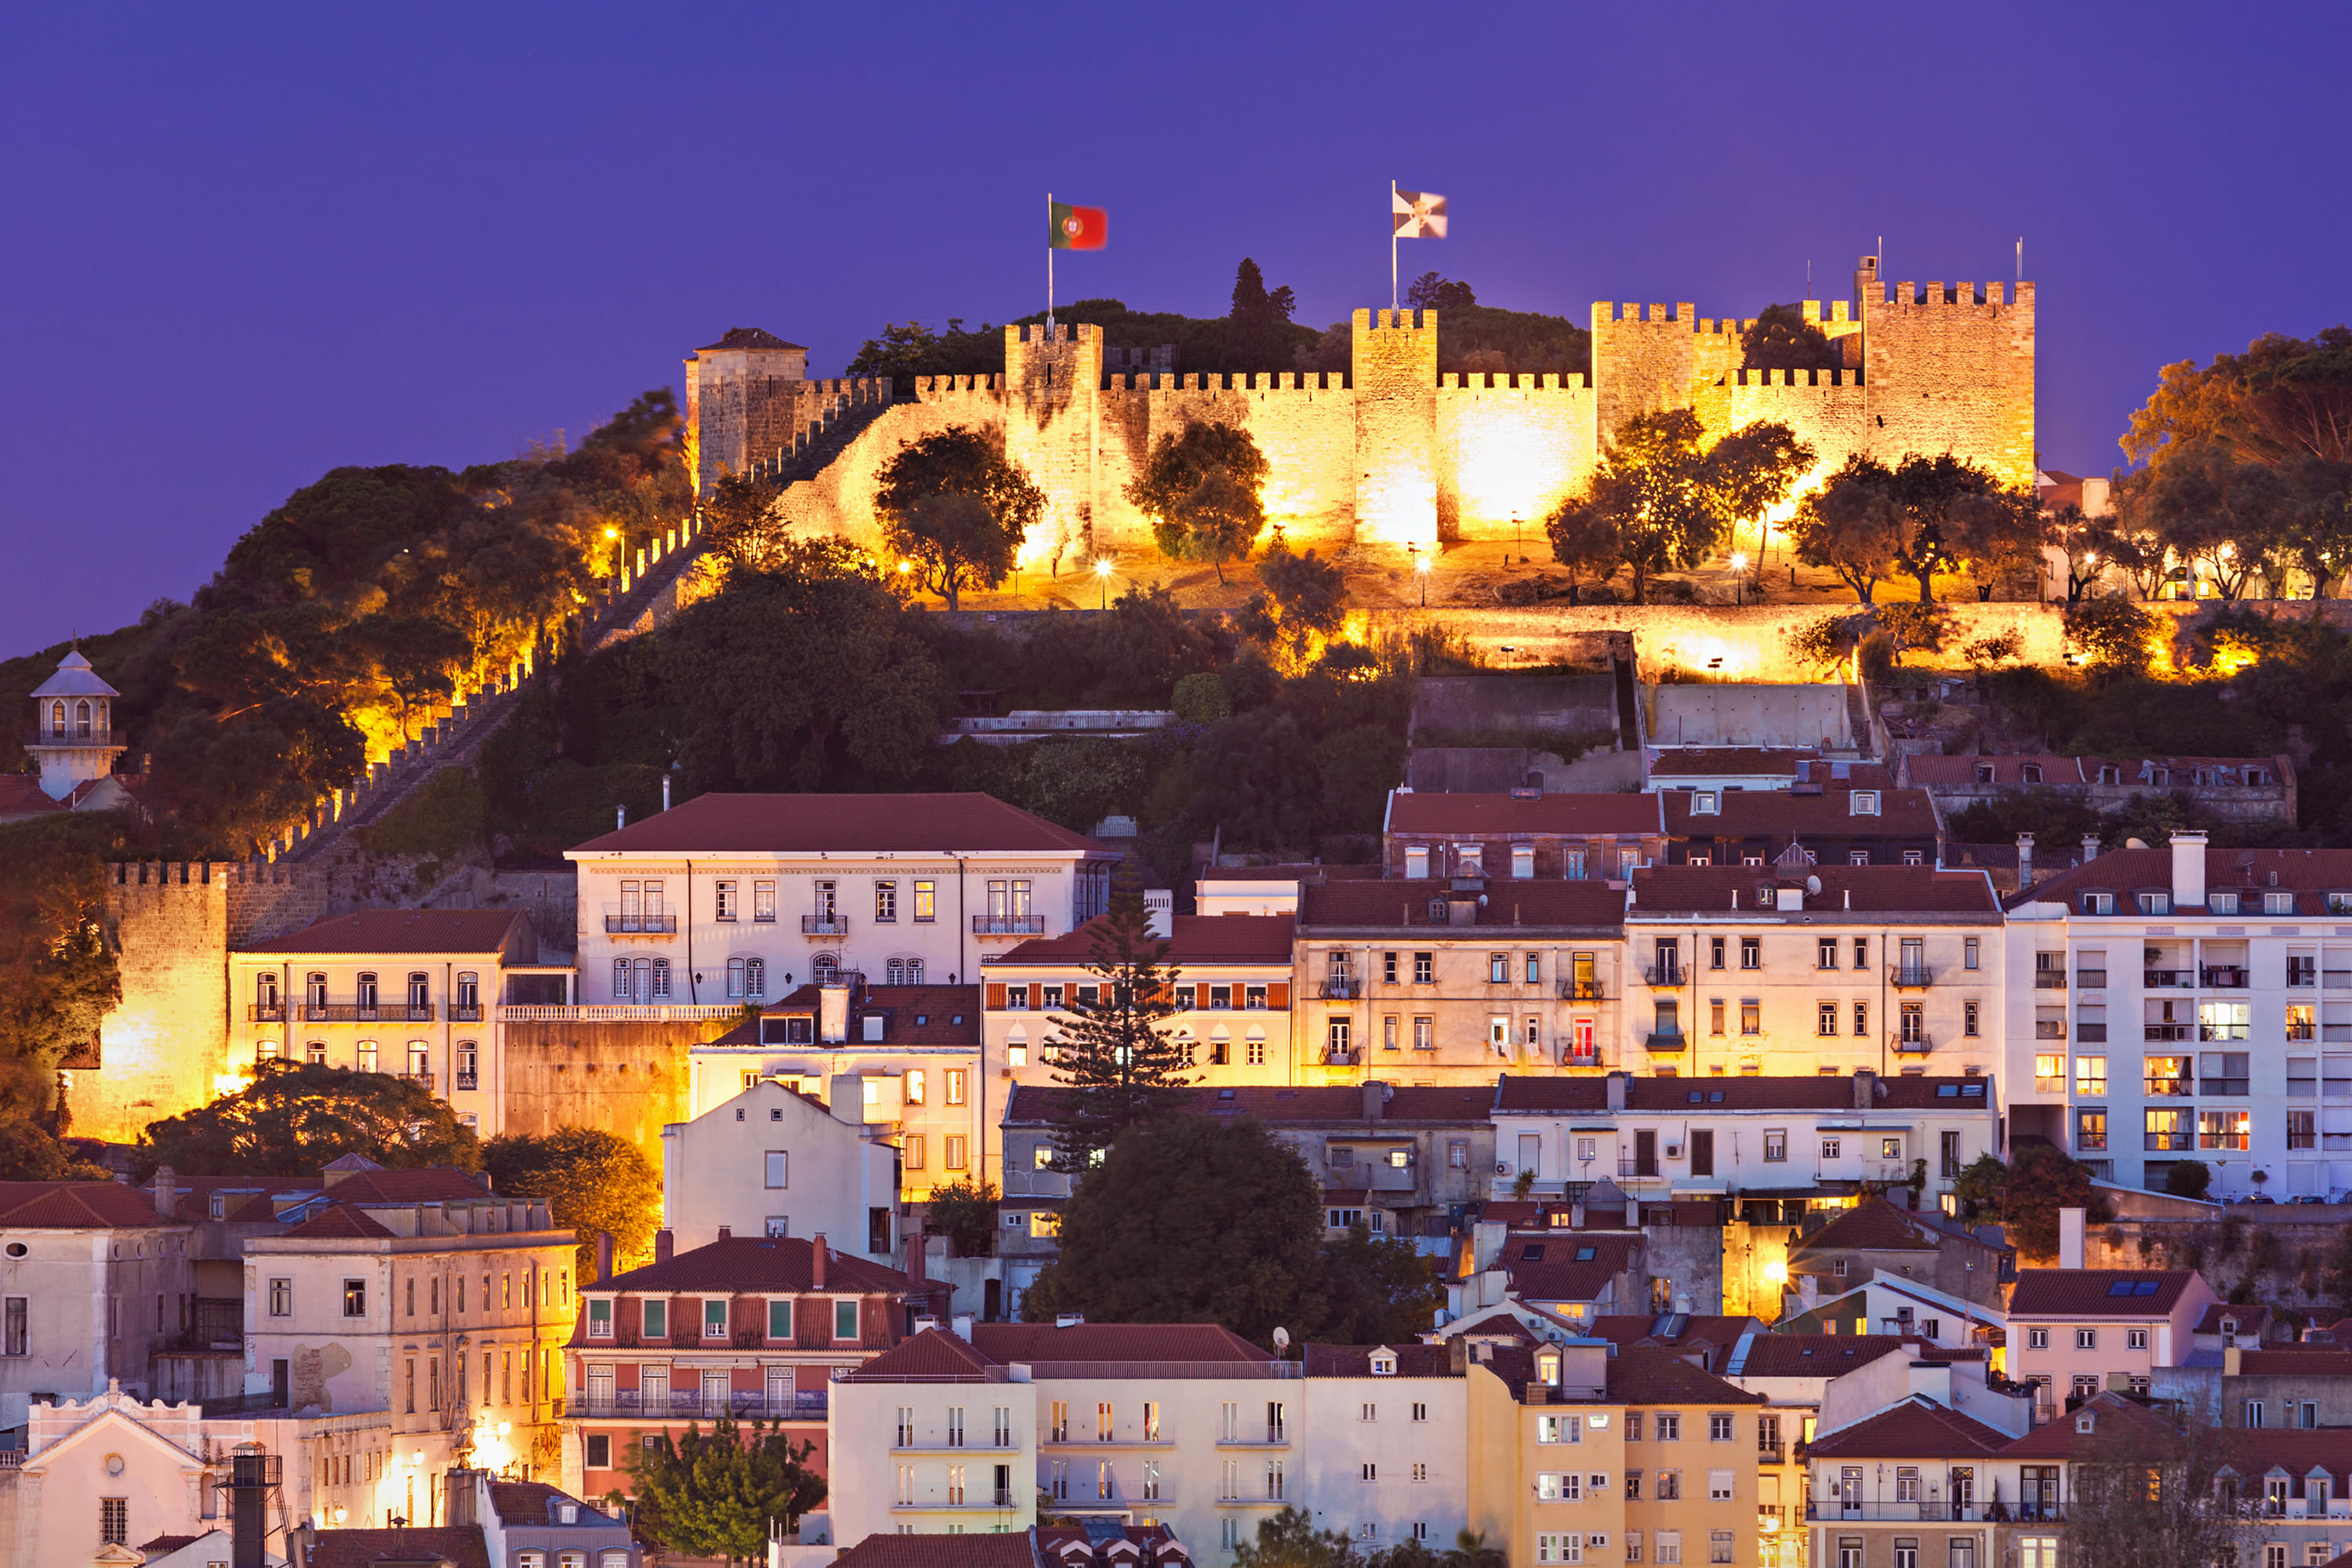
1417 215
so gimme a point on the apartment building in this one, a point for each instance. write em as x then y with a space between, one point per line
1843 821
1231 984
1798 968
2188 1004
1388 1459
2236 789
1875 1239
740 898
779 1162
94 1278
2074 1331
1911 1483
420 1294
746 1326
904 1061
411 992
1524 834
1797 1140
1581 1452
1453 981
1181 1425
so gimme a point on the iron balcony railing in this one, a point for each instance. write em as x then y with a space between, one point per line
352 1013
798 1405
2222 976
1913 976
266 1013
2165 1032
1347 1058
641 925
469 1080
1664 977
1918 1046
2091 979
1580 990
2050 980
465 1013
1008 925
2166 979
1665 1040
1339 988
422 1081
824 925
50 735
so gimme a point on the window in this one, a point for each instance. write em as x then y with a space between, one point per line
2086 1339
1669 1428
2224 1129
281 1297
1715 1014
1865 803
845 1321
910 1149
1499 969
914 1086
1718 1545
1751 952
1751 1016
1969 1015
2154 903
725 903
1714 949
114 1521
1970 952
2090 1130
958 1080
927 895
2136 1339
1669 1546
2090 1076
1425 969
779 1168
1861 1019
1825 952
952 1156
2165 1130
780 1320
885 903
1776 1144
354 1298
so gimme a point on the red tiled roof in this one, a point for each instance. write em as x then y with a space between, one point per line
1274 1104
911 1015
424 1185
1917 1428
748 338
1413 1360
2008 772
1676 762
461 1546
2309 874
1196 939
933 1353
1442 816
2059 1440
1293 871
164 1545
2250 1319
1556 1271
1644 1374
988 1549
75 1205
529 1502
1856 890
840 825
338 1221
1789 814
1397 903
1533 1095
2258 1451
1646 1328
474 932
21 794
748 1263
2296 1360
1873 1224
2089 1292
1114 1342
1820 1355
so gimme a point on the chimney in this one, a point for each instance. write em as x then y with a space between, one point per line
1159 913
665 1244
816 1261
1457 1354
915 1261
1617 1091
620 818
253 1475
961 1323
726 1233
2090 847
2070 1238
167 1193
1375 1098
603 1255
2024 860
665 791
1865 1088
2188 870
833 1012
2233 1361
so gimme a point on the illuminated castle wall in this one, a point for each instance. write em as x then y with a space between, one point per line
1396 453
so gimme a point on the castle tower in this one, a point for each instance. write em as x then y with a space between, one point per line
73 735
1052 387
741 398
1949 369
1641 364
1395 358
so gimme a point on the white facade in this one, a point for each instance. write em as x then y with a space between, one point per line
84 1305
1386 1455
771 1162
2186 1007
933 1458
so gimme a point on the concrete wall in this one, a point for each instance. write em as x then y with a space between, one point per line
1749 716
628 1077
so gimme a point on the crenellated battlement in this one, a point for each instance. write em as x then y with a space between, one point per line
929 387
1988 297
1509 381
1685 312
1793 378
203 873
1376 321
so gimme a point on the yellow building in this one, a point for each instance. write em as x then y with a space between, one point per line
1580 1453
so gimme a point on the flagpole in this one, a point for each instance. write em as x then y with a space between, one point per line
1392 231
1049 264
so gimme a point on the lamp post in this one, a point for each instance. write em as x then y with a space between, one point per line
1102 575
1420 567
1739 569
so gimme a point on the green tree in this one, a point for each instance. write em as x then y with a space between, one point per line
2284 399
2110 634
1304 602
1377 1290
593 1180
1854 525
1432 292
1779 338
1473 1550
1119 1067
2042 1181
2188 1178
1359 766
30 1152
1200 698
1979 1186
1289 1540
741 529
1667 502
1256 324
1257 780
1192 1219
294 1119
2148 1492
1920 627
2133 537
2218 513
1954 513
1201 490
953 503
443 817
1584 540
964 1210
59 977
2082 540
714 1495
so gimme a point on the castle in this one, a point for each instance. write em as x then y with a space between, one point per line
1392 452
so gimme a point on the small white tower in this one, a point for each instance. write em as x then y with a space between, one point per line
73 727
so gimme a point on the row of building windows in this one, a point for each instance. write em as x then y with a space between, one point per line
643 905
555 1285
366 1057
654 1322
2177 1128
367 990
1500 968
1911 953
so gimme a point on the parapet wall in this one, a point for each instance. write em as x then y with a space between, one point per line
162 1047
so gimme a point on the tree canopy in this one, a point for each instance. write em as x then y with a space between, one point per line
1116 1066
713 1493
1199 489
1924 516
592 1180
2286 398
1779 338
58 977
956 506
294 1118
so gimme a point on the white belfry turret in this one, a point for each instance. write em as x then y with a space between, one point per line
73 737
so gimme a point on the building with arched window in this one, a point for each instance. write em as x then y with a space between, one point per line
74 740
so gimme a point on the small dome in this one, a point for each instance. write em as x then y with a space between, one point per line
74 677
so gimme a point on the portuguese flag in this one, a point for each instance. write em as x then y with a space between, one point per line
1077 228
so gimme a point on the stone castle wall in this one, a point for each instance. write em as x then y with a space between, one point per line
163 1045
628 1078
1395 453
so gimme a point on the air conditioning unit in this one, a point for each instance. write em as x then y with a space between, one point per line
1502 1168
1674 1151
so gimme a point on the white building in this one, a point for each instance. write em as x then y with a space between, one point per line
1801 968
411 992
419 1294
742 897
1387 1453
2188 1004
74 739
775 1160
93 1280
1185 1425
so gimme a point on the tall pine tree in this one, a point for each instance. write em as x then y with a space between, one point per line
1119 1066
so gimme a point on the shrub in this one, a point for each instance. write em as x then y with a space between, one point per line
1202 699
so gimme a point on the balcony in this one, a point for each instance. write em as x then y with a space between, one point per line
2091 979
467 1080
1911 976
465 1013
2051 979
2164 1032
1916 1045
2336 980
73 736
352 1013
830 925
2166 979
1006 925
1834 1511
1770 1453
688 1404
1664 977
1340 988
2222 977
2049 1028
1347 1058
266 1013
640 925
422 1081
2091 1034
1672 1041
977 1498
1580 990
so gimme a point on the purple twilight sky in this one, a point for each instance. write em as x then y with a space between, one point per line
247 244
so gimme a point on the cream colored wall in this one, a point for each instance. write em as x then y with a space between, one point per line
1333 1489
715 1170
862 1428
1462 1003
90 1308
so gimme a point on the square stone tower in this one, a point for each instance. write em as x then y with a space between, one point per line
1053 385
1395 357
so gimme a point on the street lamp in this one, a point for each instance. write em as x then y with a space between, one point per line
1738 567
1102 575
1420 567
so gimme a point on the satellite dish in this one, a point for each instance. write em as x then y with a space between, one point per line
2135 843
1281 1339
1812 884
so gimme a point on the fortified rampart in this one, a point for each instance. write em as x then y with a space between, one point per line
1394 452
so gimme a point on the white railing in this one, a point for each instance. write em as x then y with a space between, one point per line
616 1012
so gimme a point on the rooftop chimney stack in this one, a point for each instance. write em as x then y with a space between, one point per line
603 1255
2024 861
816 1261
2090 847
2070 1238
167 1193
665 1244
1375 1094
2188 870
1866 1090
